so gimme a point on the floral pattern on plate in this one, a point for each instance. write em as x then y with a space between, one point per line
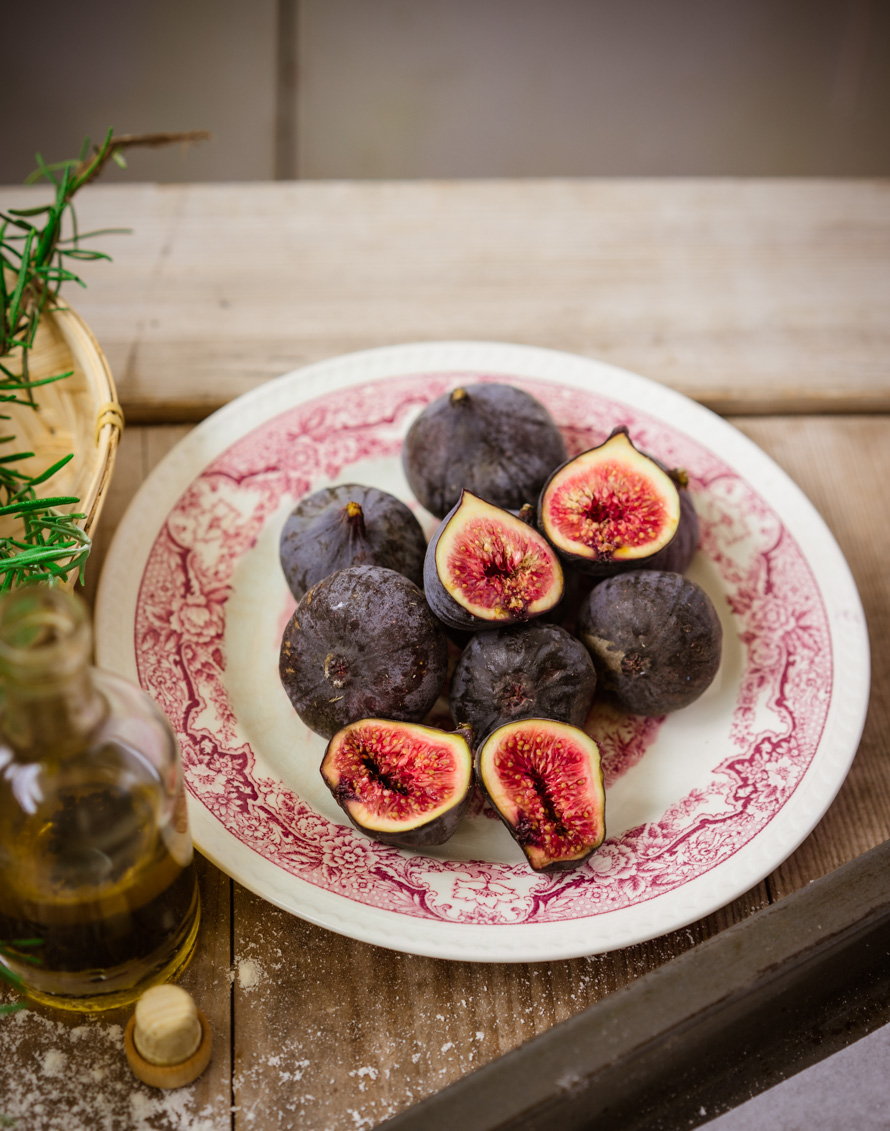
774 620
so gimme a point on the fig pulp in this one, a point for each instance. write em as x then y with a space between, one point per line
492 439
486 568
348 525
610 508
400 783
545 781
514 673
655 639
362 644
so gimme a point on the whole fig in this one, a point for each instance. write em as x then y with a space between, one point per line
532 670
348 525
362 643
492 439
655 639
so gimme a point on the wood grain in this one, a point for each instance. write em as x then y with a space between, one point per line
330 1030
751 296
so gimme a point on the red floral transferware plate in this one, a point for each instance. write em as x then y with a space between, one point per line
701 804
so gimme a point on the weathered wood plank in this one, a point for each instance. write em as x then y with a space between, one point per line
751 296
331 1032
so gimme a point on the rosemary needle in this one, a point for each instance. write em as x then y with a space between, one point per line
35 259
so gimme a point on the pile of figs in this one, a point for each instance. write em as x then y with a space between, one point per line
550 578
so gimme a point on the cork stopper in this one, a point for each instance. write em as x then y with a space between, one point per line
168 1039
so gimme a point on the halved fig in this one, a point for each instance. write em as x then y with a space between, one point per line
486 568
530 670
655 639
545 781
348 525
400 783
492 439
361 644
610 508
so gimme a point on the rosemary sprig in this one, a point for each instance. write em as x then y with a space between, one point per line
35 260
8 975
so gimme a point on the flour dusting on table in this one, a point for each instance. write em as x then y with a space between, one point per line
57 1078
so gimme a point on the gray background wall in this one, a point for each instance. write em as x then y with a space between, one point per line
455 88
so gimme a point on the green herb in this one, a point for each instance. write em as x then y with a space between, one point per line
13 978
35 260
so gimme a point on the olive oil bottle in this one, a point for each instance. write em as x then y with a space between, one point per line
95 855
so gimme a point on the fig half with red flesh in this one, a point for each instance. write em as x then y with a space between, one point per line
404 784
486 568
610 508
545 781
348 525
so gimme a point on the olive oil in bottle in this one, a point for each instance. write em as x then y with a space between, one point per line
95 854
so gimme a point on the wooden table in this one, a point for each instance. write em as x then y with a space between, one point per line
766 300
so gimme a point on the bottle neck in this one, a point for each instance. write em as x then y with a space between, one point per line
50 718
49 700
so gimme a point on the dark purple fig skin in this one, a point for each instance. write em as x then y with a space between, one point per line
533 670
577 587
677 555
430 835
451 613
362 644
655 639
321 535
433 833
495 440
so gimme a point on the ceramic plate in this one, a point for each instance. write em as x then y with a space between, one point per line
701 804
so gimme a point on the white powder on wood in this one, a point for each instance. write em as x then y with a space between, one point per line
250 973
54 1077
54 1062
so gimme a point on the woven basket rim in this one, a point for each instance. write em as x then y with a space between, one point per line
82 411
109 415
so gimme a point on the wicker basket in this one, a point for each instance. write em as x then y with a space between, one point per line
80 414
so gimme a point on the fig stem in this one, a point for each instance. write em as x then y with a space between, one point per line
459 396
355 517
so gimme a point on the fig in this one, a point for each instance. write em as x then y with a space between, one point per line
610 508
492 439
545 781
486 568
349 525
655 639
520 672
677 555
362 643
400 783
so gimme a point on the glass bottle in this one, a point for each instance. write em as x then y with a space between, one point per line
95 855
